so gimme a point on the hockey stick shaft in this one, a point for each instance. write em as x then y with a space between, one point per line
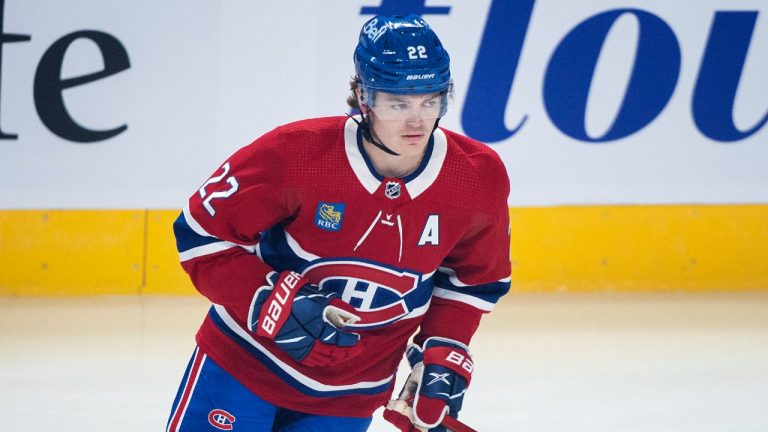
455 425
402 418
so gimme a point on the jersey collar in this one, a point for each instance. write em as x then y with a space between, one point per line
415 183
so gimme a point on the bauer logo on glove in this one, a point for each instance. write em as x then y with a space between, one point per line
276 313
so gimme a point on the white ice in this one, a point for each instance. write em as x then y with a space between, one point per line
545 362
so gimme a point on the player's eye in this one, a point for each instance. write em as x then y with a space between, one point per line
400 107
430 103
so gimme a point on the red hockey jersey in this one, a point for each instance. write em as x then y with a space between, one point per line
428 251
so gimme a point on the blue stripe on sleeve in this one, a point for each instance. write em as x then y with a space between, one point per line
187 238
276 252
489 292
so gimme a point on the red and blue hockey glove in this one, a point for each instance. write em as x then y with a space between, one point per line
441 372
303 321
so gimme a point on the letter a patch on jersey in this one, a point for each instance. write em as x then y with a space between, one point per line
431 233
329 216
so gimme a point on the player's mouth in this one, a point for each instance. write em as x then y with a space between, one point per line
413 136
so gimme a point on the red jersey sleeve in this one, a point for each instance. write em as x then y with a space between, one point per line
476 273
218 231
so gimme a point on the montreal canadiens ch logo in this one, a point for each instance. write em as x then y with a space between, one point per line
380 295
221 419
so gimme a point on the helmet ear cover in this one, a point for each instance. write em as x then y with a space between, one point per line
365 98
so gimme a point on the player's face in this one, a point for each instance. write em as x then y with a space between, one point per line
405 122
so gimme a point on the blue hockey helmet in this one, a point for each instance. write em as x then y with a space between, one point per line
402 55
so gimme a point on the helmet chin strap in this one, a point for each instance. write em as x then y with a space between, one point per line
365 128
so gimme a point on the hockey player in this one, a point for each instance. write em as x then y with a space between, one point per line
327 243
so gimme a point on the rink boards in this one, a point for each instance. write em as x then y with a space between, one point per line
562 248
634 135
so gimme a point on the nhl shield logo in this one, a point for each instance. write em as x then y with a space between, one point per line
392 190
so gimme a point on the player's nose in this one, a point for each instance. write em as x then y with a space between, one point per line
414 120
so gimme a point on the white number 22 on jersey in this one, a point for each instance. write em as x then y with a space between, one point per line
231 180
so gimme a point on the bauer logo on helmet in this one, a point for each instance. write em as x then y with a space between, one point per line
419 77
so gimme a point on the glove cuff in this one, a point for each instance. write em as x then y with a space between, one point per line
438 340
449 354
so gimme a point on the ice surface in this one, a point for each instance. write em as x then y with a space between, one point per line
547 362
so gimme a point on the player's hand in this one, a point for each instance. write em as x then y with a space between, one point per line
441 372
400 414
303 321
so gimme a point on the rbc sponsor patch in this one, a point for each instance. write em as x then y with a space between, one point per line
329 216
